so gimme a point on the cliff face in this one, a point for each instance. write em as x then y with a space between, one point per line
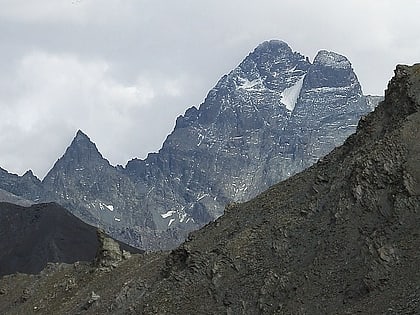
340 237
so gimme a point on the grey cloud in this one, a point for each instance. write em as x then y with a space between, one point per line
124 70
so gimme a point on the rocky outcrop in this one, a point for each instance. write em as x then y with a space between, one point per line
109 253
269 118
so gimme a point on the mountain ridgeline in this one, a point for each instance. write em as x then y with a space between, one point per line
269 118
340 237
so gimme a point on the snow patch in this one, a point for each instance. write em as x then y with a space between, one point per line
176 215
182 217
103 206
290 95
329 89
168 214
200 139
202 196
254 85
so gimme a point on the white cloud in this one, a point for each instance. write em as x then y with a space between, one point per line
65 86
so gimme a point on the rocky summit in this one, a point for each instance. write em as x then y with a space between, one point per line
341 237
272 116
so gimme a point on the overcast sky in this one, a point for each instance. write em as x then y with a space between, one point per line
123 70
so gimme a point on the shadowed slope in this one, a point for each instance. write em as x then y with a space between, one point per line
32 237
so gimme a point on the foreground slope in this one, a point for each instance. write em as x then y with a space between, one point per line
339 238
33 236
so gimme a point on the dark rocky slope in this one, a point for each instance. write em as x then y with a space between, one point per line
341 237
34 236
272 116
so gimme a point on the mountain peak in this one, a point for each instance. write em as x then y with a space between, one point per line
332 60
83 147
271 51
273 44
332 70
30 174
80 135
82 153
83 142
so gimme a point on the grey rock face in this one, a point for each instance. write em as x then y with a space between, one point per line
27 186
269 118
330 105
